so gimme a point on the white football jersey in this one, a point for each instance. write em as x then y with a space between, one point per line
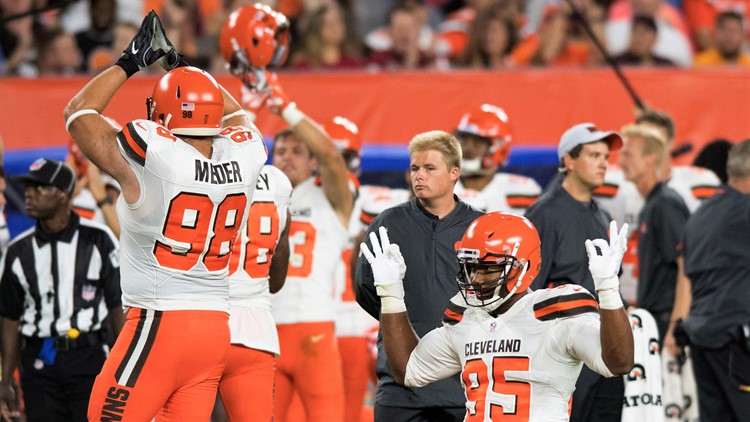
623 201
522 364
351 319
84 203
250 320
505 192
176 239
317 239
376 199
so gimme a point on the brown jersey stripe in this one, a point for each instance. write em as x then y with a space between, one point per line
453 313
521 201
366 217
703 192
606 190
84 212
564 309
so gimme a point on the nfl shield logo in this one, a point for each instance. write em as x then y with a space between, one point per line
36 165
88 292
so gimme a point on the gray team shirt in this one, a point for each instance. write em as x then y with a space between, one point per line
431 268
564 225
717 261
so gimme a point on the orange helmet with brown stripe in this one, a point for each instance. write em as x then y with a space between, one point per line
187 101
490 124
505 248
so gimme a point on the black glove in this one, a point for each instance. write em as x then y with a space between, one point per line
148 46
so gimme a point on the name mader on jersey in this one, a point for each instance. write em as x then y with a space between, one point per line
177 237
524 362
250 320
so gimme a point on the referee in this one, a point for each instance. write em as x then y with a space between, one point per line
60 280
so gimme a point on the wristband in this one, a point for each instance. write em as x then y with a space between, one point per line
78 114
392 305
237 113
609 299
107 200
292 115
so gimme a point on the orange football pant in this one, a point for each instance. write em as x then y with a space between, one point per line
246 386
309 364
165 364
358 368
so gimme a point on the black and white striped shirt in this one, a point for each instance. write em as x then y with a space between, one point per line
70 279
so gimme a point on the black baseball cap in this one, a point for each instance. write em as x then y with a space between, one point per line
45 171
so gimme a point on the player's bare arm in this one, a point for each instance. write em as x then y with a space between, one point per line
11 350
388 270
280 259
94 133
682 301
333 171
615 332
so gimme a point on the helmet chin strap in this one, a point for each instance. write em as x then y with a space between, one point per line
496 304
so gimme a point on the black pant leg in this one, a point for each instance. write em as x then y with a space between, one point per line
78 369
718 395
430 414
596 398
41 392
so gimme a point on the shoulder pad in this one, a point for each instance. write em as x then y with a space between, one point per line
135 137
563 301
454 312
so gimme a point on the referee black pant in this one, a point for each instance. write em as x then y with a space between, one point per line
60 391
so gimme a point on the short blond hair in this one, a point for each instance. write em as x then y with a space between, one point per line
653 141
442 142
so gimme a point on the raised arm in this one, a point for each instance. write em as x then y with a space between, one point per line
388 268
94 133
333 173
616 336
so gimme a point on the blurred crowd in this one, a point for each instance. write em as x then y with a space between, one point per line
73 36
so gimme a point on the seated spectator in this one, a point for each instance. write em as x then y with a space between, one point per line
326 42
728 38
561 40
103 57
379 39
100 34
17 38
642 41
492 37
672 41
404 53
58 53
701 17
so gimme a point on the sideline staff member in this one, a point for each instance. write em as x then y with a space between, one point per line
60 280
435 219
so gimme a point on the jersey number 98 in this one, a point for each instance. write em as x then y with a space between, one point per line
188 221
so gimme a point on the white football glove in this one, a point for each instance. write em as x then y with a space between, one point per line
604 267
388 269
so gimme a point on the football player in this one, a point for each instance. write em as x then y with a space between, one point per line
187 175
519 351
254 37
485 138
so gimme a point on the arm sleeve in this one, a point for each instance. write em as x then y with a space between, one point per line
582 341
11 292
433 359
671 225
364 288
110 272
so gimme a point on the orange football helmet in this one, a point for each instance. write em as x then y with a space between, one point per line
254 37
345 135
187 101
490 123
501 243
